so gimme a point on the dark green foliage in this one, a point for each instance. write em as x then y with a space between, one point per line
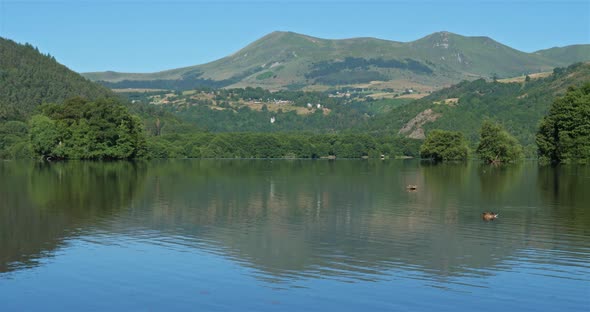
29 78
324 68
444 145
14 142
171 84
358 70
564 134
157 147
497 145
79 129
187 82
264 75
278 145
350 77
44 135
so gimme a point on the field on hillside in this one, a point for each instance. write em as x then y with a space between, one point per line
523 77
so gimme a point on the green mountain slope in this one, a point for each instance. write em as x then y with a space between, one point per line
290 60
517 106
29 78
567 55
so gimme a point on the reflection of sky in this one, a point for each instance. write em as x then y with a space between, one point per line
313 232
140 275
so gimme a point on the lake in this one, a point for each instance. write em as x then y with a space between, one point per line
293 235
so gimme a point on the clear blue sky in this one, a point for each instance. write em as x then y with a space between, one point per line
149 35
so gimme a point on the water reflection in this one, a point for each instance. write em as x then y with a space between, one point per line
499 179
565 190
296 220
41 205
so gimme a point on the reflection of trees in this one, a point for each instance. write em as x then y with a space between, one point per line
566 190
85 189
293 219
343 218
442 183
43 204
498 180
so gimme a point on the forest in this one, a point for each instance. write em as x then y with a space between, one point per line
29 78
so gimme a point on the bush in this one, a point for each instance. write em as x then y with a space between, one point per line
497 145
444 145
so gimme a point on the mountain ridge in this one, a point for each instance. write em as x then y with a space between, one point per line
285 60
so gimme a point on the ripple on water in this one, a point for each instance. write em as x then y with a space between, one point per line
331 235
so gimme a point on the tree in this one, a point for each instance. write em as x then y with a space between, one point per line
564 134
78 129
12 133
444 145
44 136
497 145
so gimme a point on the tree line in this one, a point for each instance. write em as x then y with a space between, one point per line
106 129
280 145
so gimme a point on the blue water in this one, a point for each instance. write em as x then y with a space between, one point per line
207 235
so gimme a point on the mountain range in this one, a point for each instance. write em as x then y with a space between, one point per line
287 60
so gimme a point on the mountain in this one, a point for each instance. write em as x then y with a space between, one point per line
569 54
29 78
287 60
518 106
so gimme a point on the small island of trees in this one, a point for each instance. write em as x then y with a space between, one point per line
79 129
445 145
496 145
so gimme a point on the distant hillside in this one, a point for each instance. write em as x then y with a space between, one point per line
517 106
286 60
568 55
29 78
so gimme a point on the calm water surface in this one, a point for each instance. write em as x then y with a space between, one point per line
262 235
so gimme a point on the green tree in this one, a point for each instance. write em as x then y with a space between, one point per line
444 145
44 136
12 133
564 134
78 129
497 145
